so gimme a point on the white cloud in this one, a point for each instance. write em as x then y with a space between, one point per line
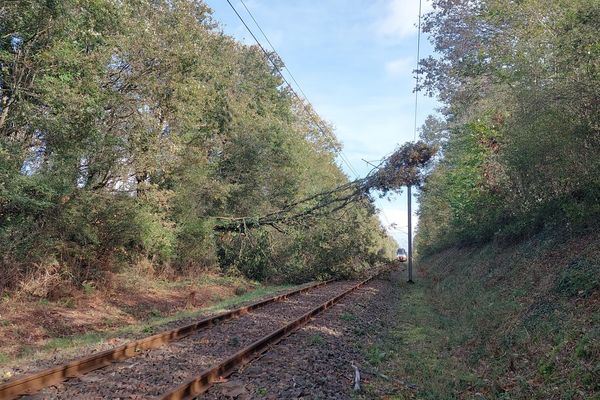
399 68
394 217
401 18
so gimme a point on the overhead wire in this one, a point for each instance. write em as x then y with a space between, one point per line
273 48
327 133
324 131
417 70
389 224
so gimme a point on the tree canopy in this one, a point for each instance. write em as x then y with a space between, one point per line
519 130
132 130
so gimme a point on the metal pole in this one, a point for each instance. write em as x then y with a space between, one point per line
410 234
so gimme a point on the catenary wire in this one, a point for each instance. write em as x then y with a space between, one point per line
341 153
417 71
323 131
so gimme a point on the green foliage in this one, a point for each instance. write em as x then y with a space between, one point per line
547 369
584 348
348 317
250 254
580 278
520 133
375 355
128 129
316 340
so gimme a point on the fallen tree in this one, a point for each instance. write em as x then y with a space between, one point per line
403 167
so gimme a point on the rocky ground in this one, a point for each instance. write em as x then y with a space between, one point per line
317 361
154 372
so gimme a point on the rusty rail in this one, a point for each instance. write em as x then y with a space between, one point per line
202 382
34 382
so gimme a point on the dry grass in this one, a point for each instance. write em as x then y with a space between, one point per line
41 282
32 325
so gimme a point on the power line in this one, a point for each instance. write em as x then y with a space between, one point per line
417 70
381 209
273 48
341 153
324 131
385 217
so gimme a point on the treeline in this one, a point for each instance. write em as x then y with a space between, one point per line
520 128
130 129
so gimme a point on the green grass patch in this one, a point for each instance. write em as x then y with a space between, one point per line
375 355
348 317
154 313
412 357
514 322
584 348
316 340
73 341
148 329
580 278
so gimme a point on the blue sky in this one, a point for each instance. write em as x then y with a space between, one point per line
354 60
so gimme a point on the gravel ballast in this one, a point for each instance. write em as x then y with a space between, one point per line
154 372
316 361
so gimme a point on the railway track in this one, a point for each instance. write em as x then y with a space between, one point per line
184 362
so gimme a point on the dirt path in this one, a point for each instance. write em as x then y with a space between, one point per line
316 361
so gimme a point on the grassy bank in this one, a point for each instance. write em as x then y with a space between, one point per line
518 322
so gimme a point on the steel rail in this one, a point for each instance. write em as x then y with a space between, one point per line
34 382
202 382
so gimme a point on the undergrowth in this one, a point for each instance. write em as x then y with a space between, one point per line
491 322
72 346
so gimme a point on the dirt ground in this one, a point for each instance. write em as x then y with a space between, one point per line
32 325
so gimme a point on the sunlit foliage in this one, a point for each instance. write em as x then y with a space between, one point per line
129 129
520 132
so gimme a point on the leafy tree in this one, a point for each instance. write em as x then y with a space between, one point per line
519 81
131 130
